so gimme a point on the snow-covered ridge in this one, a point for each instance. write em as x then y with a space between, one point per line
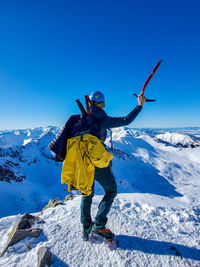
18 137
178 139
29 176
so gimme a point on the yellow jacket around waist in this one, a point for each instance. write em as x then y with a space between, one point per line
84 153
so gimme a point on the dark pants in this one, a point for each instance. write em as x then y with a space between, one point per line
106 179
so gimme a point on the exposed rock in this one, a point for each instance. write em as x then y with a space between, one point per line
121 154
69 197
43 257
6 174
53 203
29 245
22 229
10 171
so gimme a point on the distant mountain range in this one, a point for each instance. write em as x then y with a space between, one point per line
145 160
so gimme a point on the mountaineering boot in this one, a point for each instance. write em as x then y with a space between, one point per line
103 232
86 231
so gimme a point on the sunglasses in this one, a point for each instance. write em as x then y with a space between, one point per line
100 104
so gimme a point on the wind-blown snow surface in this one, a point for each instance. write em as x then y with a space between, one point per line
151 231
156 219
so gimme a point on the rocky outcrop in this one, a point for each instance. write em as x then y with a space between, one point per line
22 229
52 203
118 153
69 197
43 257
55 202
8 172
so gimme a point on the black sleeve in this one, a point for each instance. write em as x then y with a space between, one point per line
112 122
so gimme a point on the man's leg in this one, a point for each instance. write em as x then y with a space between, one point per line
86 209
106 179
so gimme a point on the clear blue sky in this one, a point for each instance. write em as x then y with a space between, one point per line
53 52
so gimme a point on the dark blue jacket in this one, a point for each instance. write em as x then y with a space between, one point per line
96 124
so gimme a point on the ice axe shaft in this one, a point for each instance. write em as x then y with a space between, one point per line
150 76
148 80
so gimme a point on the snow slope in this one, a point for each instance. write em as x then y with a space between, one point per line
150 229
29 176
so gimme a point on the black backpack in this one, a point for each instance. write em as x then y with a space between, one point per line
76 125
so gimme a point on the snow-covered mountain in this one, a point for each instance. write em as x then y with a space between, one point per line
155 217
178 139
29 176
28 173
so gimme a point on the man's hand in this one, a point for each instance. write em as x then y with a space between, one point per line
141 100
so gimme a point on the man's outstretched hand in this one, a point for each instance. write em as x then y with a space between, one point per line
141 100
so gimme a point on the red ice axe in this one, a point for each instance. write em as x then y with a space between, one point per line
147 81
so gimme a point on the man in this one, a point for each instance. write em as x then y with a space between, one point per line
104 176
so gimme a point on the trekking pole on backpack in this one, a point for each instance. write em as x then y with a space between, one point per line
148 80
88 103
81 107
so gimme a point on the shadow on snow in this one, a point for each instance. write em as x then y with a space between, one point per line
144 176
58 262
157 247
153 183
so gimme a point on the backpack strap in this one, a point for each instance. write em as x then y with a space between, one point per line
111 142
